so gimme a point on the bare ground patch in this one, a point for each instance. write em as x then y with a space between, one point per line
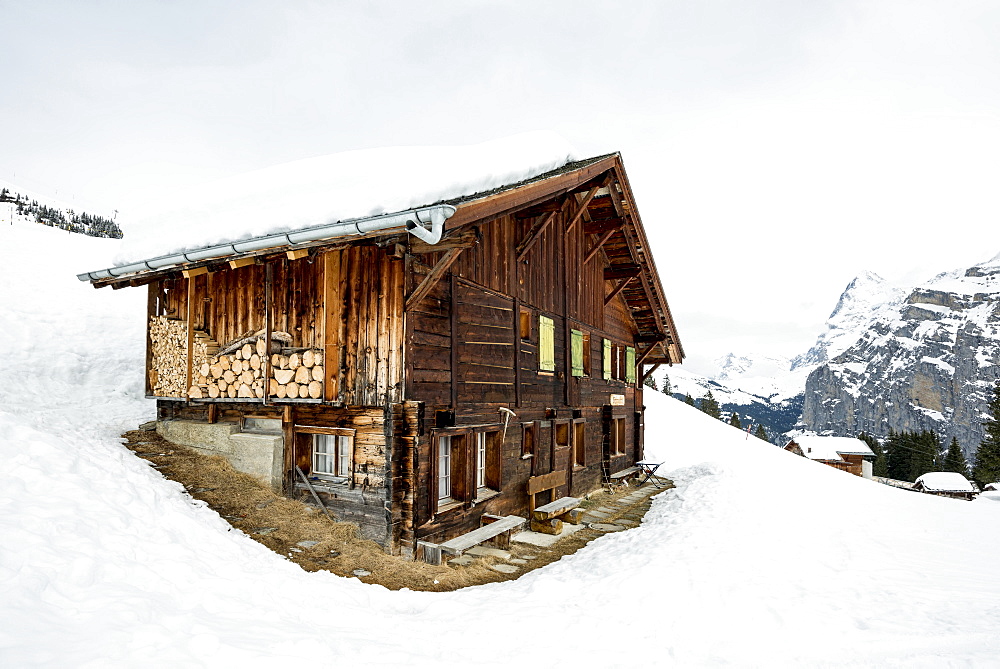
304 535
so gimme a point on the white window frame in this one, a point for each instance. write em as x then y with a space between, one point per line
444 467
480 460
331 455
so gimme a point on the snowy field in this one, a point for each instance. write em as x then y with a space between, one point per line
757 558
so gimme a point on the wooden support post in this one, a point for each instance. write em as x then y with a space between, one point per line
649 371
431 280
453 323
268 307
190 335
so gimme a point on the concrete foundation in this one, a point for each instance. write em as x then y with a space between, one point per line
259 455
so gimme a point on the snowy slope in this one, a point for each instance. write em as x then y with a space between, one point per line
758 558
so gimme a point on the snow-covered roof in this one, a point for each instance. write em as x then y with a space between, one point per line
338 187
945 482
816 447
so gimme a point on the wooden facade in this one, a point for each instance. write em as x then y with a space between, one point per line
499 368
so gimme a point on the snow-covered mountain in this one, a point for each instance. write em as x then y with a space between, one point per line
771 389
925 359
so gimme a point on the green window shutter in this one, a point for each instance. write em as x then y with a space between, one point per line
546 344
576 352
629 364
607 358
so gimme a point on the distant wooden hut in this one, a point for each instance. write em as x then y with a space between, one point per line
946 484
845 453
423 373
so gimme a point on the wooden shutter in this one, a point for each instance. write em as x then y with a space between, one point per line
629 364
607 359
576 352
546 344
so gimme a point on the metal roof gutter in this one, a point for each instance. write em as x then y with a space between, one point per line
414 220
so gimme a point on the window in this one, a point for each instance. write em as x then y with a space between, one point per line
528 439
576 352
466 466
629 364
444 467
618 435
586 354
327 453
525 324
546 344
579 442
606 361
480 460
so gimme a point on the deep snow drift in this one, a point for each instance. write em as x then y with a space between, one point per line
758 558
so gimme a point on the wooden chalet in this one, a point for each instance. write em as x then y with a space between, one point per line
421 388
844 453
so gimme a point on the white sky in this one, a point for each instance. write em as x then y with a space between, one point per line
776 149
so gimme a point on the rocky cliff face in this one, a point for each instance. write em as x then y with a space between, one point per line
928 361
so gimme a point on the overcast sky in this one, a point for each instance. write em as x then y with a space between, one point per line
776 149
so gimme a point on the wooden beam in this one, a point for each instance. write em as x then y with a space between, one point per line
462 239
295 254
581 207
619 288
190 334
597 247
432 278
196 271
649 371
623 271
242 262
534 235
529 194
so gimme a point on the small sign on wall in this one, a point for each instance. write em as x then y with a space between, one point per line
617 400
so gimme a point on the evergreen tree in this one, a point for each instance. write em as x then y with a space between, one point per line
924 453
710 406
650 382
688 400
954 459
897 457
667 390
734 420
986 468
760 433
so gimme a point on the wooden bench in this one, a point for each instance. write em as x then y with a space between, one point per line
431 552
549 518
622 477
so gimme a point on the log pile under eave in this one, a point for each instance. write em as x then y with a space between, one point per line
238 373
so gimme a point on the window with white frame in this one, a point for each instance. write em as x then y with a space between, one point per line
480 460
331 455
466 465
444 467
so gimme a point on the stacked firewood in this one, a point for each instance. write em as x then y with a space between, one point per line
238 370
168 347
298 375
237 374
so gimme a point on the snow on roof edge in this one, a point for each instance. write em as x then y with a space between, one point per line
341 186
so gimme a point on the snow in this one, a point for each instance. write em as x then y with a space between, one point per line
327 189
945 482
757 558
817 447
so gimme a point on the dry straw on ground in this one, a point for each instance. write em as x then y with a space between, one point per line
281 524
